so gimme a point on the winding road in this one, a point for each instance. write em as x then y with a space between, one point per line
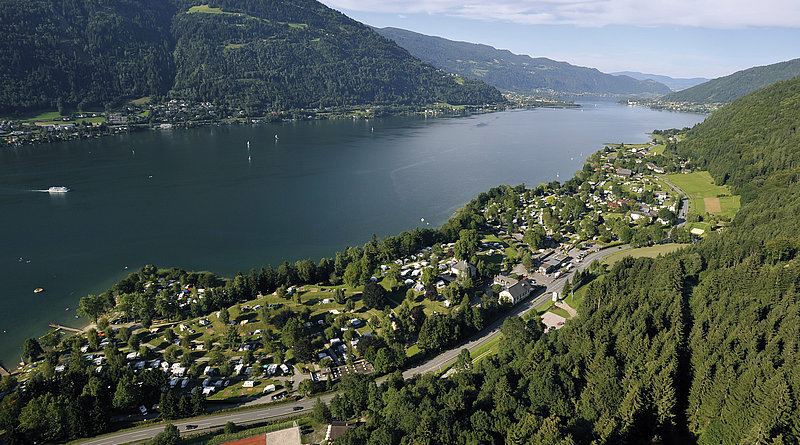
217 421
686 203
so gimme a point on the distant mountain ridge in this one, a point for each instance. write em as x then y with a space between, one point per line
674 83
518 73
254 54
729 88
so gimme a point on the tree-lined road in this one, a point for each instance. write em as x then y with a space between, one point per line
493 330
210 422
686 203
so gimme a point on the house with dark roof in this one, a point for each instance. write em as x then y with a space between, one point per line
514 290
624 172
463 267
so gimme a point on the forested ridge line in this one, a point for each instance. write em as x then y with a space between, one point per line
731 87
252 54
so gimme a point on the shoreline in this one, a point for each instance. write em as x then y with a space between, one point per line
85 325
85 125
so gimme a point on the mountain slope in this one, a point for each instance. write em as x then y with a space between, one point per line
83 52
518 73
728 88
301 53
248 53
675 84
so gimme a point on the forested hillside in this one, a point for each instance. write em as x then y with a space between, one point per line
266 54
729 88
83 53
517 73
701 346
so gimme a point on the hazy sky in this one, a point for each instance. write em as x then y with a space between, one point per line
678 38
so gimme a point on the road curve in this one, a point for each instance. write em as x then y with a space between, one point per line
493 330
216 421
686 203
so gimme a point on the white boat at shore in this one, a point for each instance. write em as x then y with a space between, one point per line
58 189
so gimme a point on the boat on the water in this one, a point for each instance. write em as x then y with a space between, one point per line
37 290
58 189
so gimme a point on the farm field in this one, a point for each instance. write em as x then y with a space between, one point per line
650 252
705 195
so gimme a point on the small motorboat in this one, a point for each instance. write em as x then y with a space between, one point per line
37 290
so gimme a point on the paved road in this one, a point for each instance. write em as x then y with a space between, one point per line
210 422
686 204
493 330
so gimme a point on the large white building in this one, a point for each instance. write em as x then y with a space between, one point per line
514 290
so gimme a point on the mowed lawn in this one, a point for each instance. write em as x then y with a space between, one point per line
649 252
705 195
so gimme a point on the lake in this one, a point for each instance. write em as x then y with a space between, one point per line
200 199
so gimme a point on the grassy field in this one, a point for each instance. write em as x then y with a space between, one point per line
206 9
699 225
576 299
658 149
705 195
53 117
649 252
218 437
489 348
141 101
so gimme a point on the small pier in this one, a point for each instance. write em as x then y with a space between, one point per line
65 328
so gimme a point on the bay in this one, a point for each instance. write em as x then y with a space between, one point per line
199 199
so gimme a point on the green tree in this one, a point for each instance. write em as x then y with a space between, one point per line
339 296
303 351
91 307
126 396
291 332
374 296
464 361
7 383
467 244
224 316
230 428
320 412
31 350
306 387
170 436
231 339
93 338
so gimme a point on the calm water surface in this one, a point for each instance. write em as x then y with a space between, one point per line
200 200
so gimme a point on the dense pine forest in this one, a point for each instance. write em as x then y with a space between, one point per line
699 346
251 54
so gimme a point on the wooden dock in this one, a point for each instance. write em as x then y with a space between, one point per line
65 328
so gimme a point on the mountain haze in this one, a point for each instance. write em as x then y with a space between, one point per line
518 73
245 53
726 89
675 84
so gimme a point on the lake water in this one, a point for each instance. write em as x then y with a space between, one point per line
200 200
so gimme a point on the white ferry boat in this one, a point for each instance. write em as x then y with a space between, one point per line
58 189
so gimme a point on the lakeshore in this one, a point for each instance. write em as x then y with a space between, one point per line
415 168
301 329
141 115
